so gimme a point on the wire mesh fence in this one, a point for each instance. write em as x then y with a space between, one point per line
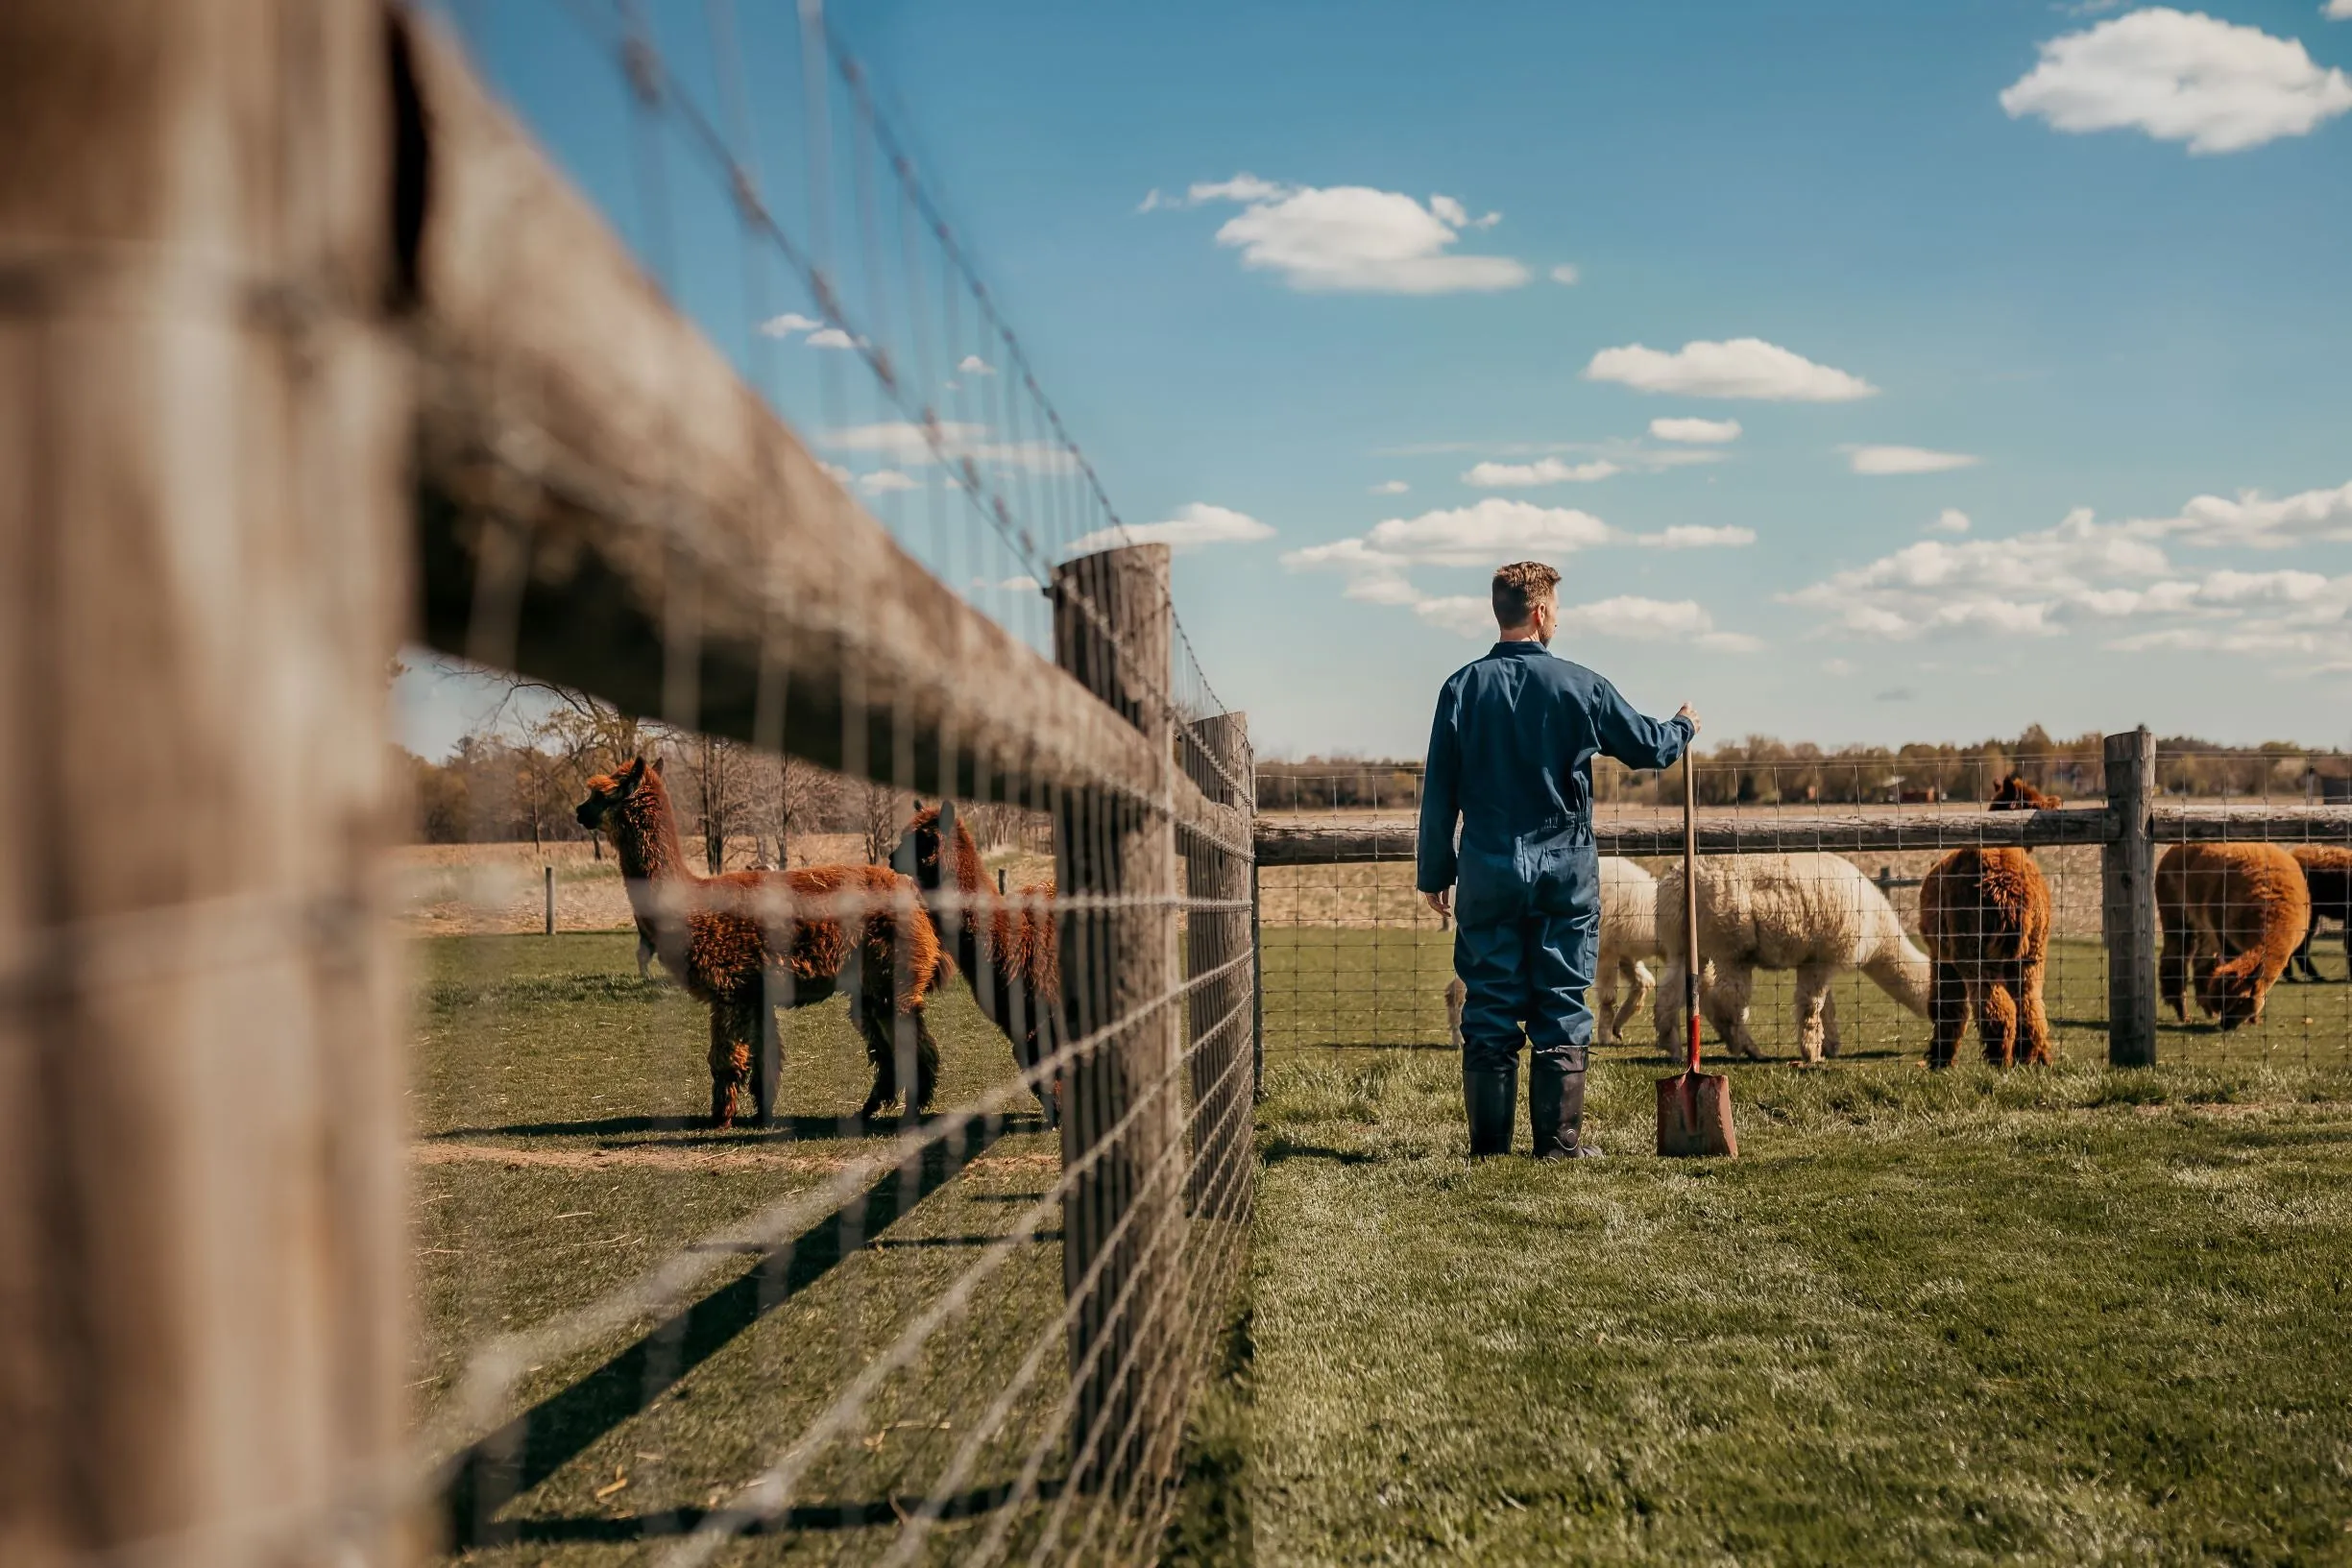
1830 888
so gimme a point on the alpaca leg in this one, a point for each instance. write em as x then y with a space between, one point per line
878 1054
1605 1001
1948 1007
733 1032
766 1067
926 1058
2171 976
2032 1022
1831 1042
1638 995
1996 1009
1812 994
1667 1009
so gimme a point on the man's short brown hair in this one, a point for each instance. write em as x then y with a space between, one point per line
1519 588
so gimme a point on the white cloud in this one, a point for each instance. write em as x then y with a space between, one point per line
832 337
1546 470
1352 238
1837 666
1486 533
786 325
1950 521
1904 460
2086 572
1740 367
2180 77
974 364
1193 525
1705 432
1020 583
1690 537
900 441
1565 272
882 480
1389 487
2338 10
1673 457
839 474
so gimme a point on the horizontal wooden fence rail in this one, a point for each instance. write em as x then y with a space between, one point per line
605 503
1282 843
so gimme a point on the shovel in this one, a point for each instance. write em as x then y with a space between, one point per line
1694 1108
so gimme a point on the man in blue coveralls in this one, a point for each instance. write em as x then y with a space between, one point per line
1510 754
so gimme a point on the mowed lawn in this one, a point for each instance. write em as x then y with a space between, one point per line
557 1102
2064 1316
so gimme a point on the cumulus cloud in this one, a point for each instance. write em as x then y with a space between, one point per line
1546 470
1950 521
1351 239
1192 526
2180 76
1904 460
1690 537
832 337
1703 432
882 480
1740 367
788 324
974 364
1390 487
2088 574
1627 618
1567 273
2338 10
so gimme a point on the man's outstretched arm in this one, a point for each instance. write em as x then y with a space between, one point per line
1433 855
1635 740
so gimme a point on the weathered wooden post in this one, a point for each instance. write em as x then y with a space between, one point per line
1118 965
2127 898
1220 1010
550 879
204 517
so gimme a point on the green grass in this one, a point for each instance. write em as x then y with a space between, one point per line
2057 1317
554 1101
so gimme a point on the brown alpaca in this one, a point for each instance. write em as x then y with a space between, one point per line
2231 915
2327 874
1984 915
752 941
2014 794
1011 956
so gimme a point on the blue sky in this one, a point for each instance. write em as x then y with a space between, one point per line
2033 320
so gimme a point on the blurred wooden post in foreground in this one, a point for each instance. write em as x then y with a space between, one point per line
2127 898
204 520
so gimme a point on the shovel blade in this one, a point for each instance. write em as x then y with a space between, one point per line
1695 1116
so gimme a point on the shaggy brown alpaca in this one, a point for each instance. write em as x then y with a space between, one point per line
1011 955
2232 916
1984 915
2327 874
752 941
2014 794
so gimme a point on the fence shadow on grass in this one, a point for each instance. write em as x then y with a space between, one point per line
779 1129
877 1514
482 1479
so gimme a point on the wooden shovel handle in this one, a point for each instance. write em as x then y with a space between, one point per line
1690 904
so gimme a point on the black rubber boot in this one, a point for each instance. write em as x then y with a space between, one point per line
1556 1107
1492 1096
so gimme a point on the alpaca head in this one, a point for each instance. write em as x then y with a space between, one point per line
2233 992
609 792
2014 794
922 850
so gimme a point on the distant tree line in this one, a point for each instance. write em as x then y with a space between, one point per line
1762 771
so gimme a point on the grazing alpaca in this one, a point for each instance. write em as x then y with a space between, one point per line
1811 912
737 942
2327 874
2231 915
1629 934
2014 794
1984 914
1010 956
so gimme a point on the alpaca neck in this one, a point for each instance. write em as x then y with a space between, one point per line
646 838
1902 972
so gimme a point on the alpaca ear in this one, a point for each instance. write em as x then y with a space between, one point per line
633 775
947 822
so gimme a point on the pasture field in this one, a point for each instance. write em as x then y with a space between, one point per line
557 1156
2072 1315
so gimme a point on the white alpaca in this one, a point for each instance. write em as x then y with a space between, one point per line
1629 934
1813 913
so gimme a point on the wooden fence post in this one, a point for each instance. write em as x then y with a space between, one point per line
2127 900
205 430
1213 939
550 879
1117 965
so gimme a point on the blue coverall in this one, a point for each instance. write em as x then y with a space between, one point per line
1511 753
